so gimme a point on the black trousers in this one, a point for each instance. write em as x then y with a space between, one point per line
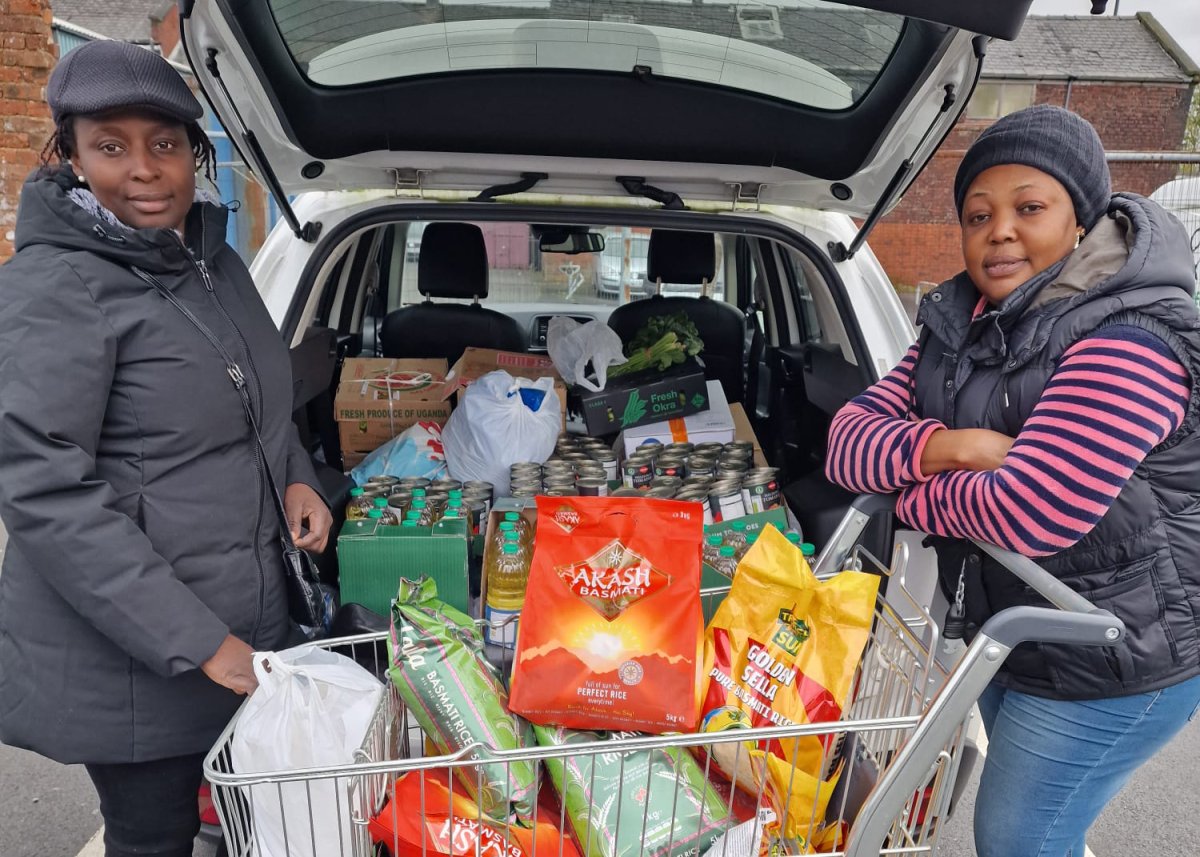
150 809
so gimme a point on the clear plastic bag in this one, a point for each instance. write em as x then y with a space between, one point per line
572 345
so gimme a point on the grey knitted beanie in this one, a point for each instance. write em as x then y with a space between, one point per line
1057 142
105 75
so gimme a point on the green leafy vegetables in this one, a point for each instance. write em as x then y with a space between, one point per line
665 341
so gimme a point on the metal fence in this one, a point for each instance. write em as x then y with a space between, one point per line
1180 194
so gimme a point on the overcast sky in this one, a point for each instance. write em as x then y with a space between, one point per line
1180 18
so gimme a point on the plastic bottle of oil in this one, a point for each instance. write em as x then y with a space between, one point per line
507 576
388 516
358 506
735 537
424 513
712 549
727 561
521 526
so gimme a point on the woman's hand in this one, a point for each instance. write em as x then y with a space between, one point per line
305 507
964 449
232 666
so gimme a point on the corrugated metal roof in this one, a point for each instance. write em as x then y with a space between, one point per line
1083 47
127 20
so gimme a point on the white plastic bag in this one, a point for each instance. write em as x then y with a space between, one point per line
312 709
572 345
416 451
498 422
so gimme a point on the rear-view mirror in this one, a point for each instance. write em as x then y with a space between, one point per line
570 242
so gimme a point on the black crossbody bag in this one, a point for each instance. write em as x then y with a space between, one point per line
311 604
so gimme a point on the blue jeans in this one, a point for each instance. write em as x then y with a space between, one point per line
1053 765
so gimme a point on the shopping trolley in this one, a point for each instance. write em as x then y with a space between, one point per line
897 748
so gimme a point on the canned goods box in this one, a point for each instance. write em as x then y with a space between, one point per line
755 523
373 558
713 425
477 362
378 398
641 399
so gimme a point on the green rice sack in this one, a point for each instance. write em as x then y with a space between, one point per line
438 666
665 809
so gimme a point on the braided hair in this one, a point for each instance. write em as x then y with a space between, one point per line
61 147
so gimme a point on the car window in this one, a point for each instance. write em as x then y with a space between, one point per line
520 273
806 308
815 53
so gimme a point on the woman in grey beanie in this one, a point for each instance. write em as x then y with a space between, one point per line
143 563
1051 406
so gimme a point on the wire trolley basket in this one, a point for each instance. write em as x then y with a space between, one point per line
895 753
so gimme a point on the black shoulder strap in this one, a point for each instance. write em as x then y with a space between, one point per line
239 382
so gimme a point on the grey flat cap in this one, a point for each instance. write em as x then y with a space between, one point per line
106 75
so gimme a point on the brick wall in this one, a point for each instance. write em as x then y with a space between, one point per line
27 53
919 239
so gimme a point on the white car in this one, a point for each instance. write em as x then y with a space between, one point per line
671 119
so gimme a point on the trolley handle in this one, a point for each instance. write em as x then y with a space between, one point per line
1071 620
867 506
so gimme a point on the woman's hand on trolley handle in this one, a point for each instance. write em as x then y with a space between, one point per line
232 666
964 449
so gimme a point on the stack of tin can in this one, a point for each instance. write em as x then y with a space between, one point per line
721 476
580 466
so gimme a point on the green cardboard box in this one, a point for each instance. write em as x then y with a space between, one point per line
710 578
647 397
373 559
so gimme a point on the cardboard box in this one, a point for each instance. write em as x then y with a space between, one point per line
379 397
743 431
372 559
710 578
477 362
642 399
715 425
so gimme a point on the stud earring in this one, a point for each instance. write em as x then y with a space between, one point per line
82 180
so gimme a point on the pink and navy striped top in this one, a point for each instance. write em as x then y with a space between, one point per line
1114 396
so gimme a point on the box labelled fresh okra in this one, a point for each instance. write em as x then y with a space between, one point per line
647 397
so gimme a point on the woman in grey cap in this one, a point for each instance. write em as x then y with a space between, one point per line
143 563
1051 406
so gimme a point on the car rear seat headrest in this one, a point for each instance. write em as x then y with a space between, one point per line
683 258
453 261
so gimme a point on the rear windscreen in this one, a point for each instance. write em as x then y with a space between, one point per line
814 53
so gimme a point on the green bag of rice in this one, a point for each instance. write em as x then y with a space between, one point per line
437 663
655 803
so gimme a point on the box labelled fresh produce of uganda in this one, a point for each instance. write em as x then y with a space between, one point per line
647 397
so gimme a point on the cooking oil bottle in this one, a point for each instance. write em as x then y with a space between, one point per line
712 549
358 506
507 576
388 516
